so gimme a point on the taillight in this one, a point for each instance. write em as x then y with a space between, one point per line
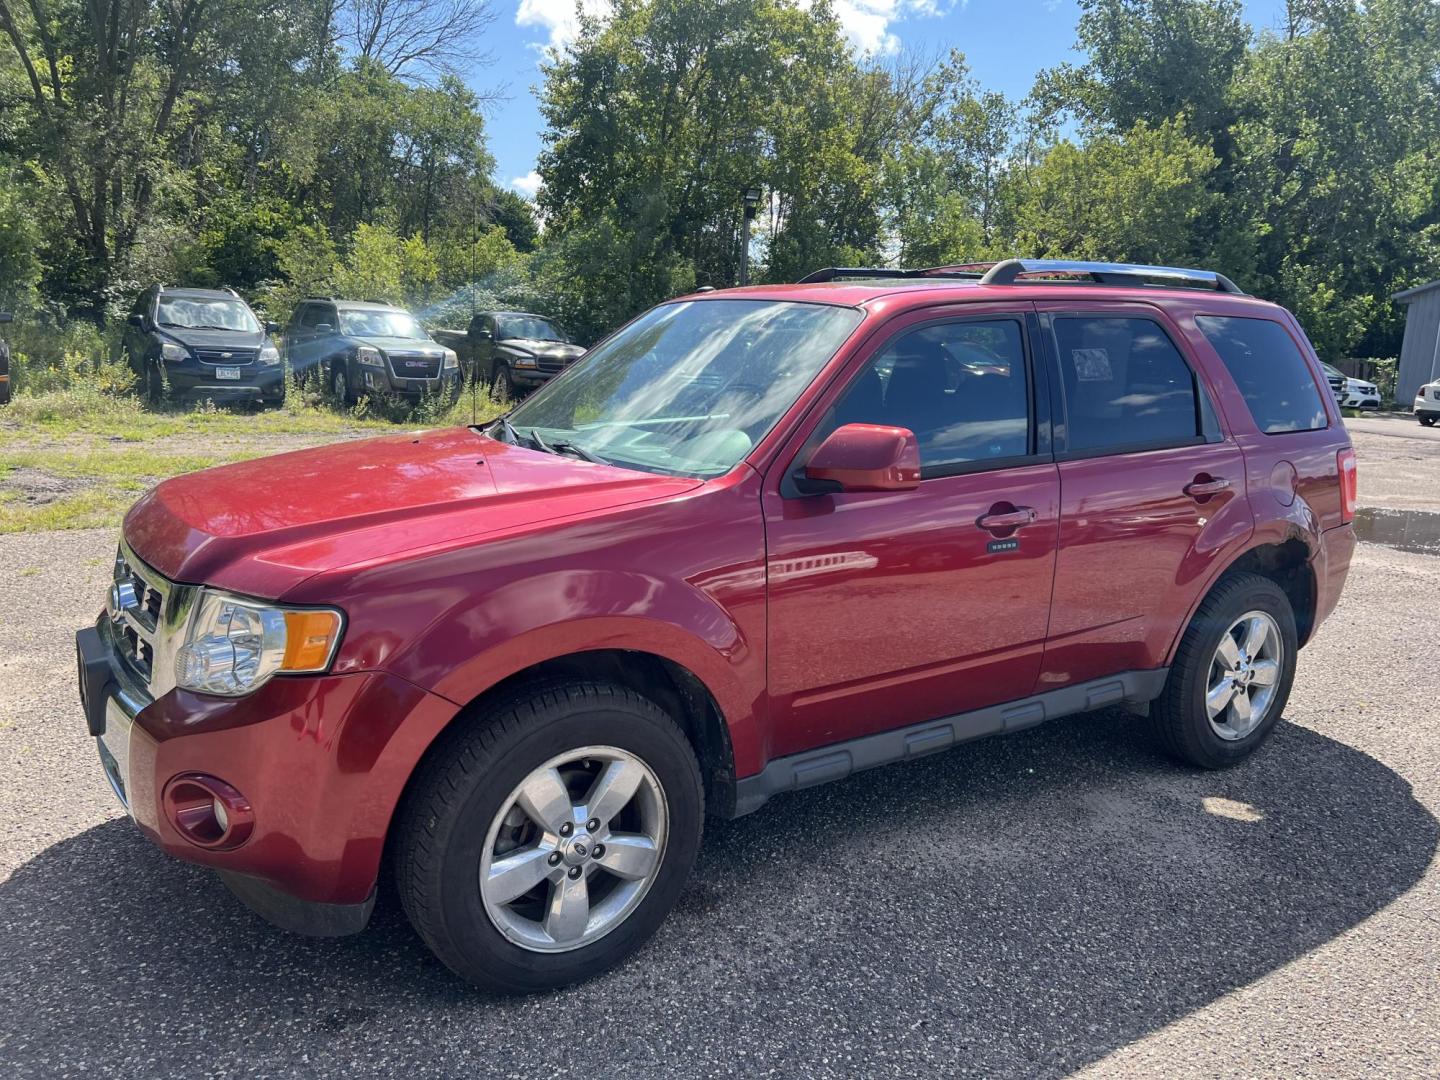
1345 461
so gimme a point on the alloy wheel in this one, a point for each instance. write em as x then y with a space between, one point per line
574 849
1244 674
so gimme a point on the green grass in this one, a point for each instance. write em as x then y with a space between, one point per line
77 459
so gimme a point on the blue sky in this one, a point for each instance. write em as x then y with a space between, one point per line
1005 41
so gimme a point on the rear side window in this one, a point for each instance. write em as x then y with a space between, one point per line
1272 376
1125 385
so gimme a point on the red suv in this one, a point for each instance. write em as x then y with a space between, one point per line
756 540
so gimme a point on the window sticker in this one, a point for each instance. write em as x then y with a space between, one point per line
1091 365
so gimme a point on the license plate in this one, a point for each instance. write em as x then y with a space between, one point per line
227 373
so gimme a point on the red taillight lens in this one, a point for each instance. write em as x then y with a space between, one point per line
1345 461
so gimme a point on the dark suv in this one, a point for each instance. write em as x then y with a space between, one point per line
201 343
368 347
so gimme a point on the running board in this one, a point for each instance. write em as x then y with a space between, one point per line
839 760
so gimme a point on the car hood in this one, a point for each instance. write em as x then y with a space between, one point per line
214 339
262 527
542 348
423 346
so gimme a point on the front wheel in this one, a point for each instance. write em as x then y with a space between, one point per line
1232 674
340 385
502 384
1427 421
547 840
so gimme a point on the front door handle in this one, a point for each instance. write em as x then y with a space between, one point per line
999 520
1203 486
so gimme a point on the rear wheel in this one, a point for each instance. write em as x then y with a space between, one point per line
545 842
1232 674
1427 420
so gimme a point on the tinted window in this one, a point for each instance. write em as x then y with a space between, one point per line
960 387
1125 384
314 316
1272 375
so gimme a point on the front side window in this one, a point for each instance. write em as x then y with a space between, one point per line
1272 375
961 387
363 322
690 387
204 313
1125 385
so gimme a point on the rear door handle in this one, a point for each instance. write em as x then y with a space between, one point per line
1200 489
1008 519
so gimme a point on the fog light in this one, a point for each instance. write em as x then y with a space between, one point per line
208 812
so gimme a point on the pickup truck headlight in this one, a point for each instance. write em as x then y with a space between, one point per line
233 646
269 354
369 357
526 360
452 362
170 351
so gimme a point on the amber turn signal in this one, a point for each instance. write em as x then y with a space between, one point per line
310 638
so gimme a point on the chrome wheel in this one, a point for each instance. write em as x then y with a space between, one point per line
1244 674
574 849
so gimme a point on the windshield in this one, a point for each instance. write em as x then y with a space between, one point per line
203 313
1333 372
688 388
371 323
531 327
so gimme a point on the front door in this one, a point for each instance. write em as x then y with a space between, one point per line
887 609
1151 490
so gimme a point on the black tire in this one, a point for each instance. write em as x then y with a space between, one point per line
502 384
154 383
465 783
1179 717
1427 421
340 384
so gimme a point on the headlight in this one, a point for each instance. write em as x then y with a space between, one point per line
525 360
452 362
269 354
171 351
234 646
369 357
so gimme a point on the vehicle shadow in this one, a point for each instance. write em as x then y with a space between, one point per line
1019 906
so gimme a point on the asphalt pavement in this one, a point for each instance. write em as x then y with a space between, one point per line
1063 900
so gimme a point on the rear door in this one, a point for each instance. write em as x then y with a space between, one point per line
887 609
1151 489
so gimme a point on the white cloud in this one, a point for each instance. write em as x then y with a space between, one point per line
557 18
866 23
528 184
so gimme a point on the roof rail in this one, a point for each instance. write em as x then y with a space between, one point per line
864 273
1009 271
318 298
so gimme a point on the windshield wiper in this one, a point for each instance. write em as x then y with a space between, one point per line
580 452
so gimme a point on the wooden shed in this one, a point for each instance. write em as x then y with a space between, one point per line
1420 351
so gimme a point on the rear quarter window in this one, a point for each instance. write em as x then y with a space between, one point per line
1270 371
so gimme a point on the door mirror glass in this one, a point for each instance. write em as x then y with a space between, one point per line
324 328
136 320
865 457
272 327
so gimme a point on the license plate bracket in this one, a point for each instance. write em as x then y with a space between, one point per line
227 373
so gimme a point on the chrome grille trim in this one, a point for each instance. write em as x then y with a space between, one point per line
146 614
223 357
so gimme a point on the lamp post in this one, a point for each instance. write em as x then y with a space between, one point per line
750 197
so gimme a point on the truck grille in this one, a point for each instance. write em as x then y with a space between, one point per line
551 363
136 611
225 357
414 365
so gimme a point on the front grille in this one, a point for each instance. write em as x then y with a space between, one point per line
551 363
225 357
136 610
414 365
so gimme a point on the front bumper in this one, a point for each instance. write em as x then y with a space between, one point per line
257 382
380 381
322 760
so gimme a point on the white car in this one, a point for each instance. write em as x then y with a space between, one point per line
1427 403
1352 393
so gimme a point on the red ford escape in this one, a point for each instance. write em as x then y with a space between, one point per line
757 540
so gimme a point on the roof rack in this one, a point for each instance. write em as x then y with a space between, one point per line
864 273
1038 272
1101 273
319 298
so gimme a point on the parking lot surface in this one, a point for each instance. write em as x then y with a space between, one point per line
1059 901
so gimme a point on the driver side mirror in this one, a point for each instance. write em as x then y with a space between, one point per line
6 316
864 457
272 327
324 328
136 320
481 332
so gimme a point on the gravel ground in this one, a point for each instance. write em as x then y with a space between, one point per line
1057 901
